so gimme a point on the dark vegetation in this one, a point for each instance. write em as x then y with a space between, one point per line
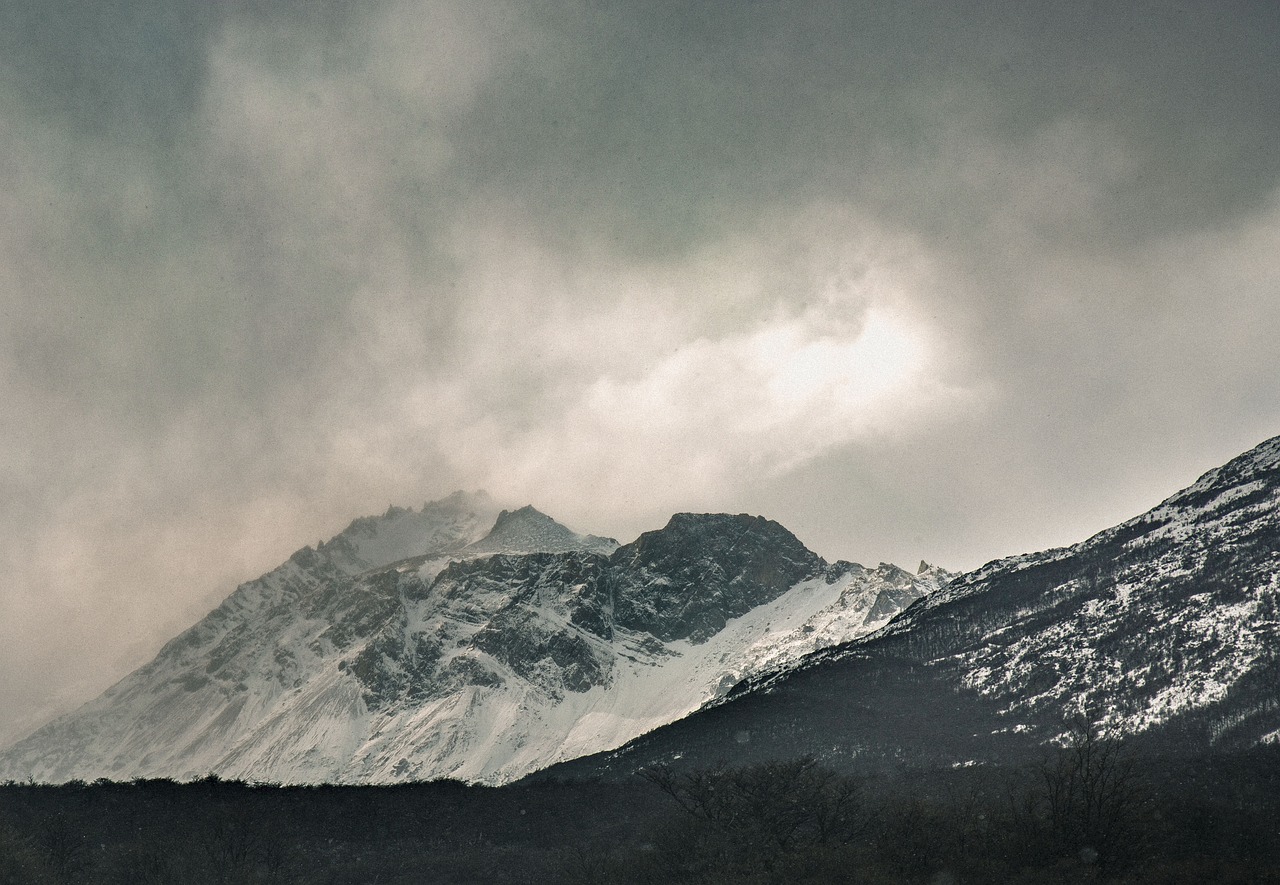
1090 812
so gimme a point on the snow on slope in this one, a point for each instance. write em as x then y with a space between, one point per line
463 663
235 666
1172 615
498 733
1164 629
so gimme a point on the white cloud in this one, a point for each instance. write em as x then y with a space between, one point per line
579 383
355 267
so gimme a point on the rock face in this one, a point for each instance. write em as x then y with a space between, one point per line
418 645
1165 628
735 563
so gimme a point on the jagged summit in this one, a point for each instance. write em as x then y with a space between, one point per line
440 527
528 530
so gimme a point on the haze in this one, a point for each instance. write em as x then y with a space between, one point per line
950 281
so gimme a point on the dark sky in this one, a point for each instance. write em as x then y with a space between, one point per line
941 280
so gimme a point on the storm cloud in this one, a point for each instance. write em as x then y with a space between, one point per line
917 280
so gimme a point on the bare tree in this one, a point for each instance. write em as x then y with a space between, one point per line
772 808
63 847
1088 798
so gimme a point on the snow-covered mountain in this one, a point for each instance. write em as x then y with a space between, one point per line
1165 629
418 645
1169 622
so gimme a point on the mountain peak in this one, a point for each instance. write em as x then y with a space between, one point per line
721 536
702 569
461 498
528 513
441 526
529 530
729 526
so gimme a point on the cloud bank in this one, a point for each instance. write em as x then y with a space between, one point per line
915 281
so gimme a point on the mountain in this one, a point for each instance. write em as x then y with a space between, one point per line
439 528
1164 629
529 531
418 645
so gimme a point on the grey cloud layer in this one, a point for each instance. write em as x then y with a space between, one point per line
265 266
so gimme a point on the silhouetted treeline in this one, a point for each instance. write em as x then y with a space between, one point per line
1089 812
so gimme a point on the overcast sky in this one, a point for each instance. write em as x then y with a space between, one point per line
942 280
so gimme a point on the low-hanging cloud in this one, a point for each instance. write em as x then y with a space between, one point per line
916 280
585 383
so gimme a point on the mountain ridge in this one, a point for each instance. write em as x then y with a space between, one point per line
1164 629
465 659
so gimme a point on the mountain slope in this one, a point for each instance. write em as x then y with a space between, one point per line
1165 628
481 658
263 642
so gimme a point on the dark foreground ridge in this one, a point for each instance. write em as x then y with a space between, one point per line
1209 819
